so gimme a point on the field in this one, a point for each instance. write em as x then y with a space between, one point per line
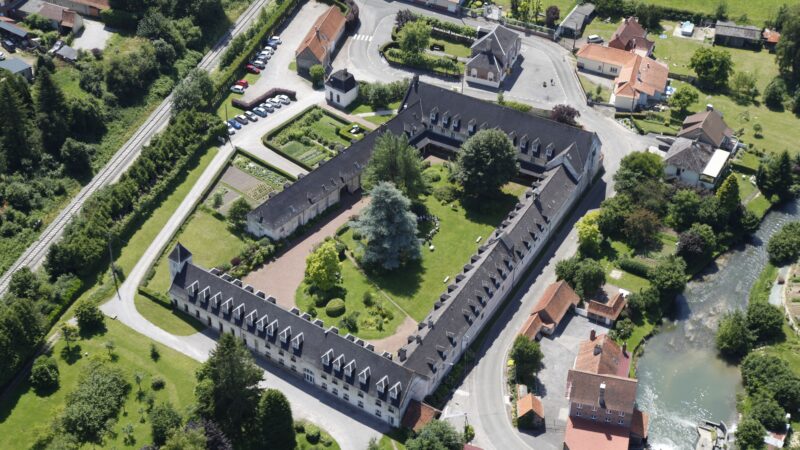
757 11
24 414
309 138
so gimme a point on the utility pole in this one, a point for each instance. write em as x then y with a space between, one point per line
111 263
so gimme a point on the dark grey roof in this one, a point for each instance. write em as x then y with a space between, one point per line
14 65
498 43
483 60
577 17
342 80
689 154
68 53
421 99
743 31
179 253
316 340
13 30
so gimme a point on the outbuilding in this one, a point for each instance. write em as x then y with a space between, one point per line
341 89
18 67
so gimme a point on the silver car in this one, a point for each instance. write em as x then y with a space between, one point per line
267 107
283 99
275 102
252 117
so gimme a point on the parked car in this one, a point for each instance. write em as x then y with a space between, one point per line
242 119
269 49
231 131
276 102
2 56
251 116
243 83
260 111
266 106
594 39
9 45
237 89
284 99
276 39
264 56
233 123
259 63
253 69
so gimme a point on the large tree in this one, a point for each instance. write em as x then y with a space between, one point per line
788 48
589 236
713 66
765 321
734 339
636 168
682 99
193 92
486 162
274 421
585 276
750 434
389 228
164 419
20 144
730 202
565 114
437 435
414 37
323 272
551 15
227 390
51 112
684 209
641 228
527 358
394 160
784 246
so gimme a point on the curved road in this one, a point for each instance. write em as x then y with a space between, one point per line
36 253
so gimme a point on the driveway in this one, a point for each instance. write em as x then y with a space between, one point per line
94 35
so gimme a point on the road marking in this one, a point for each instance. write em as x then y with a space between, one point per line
362 37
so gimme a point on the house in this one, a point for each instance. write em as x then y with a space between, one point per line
558 299
572 26
320 43
341 88
493 56
606 312
530 412
418 414
11 31
638 80
17 67
770 38
88 8
630 36
602 399
710 128
62 19
66 53
695 163
730 34
565 160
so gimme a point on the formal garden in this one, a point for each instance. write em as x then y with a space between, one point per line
313 136
247 178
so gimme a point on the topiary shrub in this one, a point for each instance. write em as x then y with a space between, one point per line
335 308
157 384
312 434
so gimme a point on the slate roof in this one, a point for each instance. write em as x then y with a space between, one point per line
499 43
732 29
179 253
13 30
584 388
577 17
14 65
316 340
327 26
484 60
709 123
68 53
342 81
689 154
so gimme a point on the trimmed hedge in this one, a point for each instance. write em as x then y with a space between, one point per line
335 308
634 266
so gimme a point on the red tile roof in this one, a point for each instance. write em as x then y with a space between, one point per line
532 326
99 4
631 36
771 36
638 74
640 423
530 403
555 302
610 310
584 434
418 415
318 39
602 356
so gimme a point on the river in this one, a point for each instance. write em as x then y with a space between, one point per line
681 379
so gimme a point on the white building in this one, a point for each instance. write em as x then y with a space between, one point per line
341 88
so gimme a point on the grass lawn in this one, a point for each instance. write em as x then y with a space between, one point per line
206 252
453 48
417 286
379 120
67 78
24 414
759 293
751 196
358 108
226 104
308 143
371 323
602 28
392 441
628 281
163 316
590 88
325 440
757 11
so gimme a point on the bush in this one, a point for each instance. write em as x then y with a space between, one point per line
96 400
312 433
89 317
634 266
784 246
369 298
335 307
446 193
44 375
350 322
157 383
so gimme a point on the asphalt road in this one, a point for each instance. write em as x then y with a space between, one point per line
36 253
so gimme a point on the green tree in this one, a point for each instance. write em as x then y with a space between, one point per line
750 434
527 358
713 67
237 214
323 271
389 228
743 85
784 246
636 168
414 37
684 209
274 421
77 157
394 160
641 228
317 74
227 390
669 276
69 333
551 16
584 276
25 284
774 176
589 237
437 435
193 92
486 162
98 397
89 317
44 374
613 212
164 419
50 112
20 139
187 439
734 339
128 74
765 321
765 409
697 243
730 202
682 99
788 47
774 93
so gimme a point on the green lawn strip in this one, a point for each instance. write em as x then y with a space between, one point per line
163 316
356 285
601 28
209 240
453 48
378 120
759 293
641 330
326 441
628 281
392 441
590 88
360 108
23 415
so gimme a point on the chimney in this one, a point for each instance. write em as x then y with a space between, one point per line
602 399
592 334
624 349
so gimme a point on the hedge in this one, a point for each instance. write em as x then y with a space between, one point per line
634 266
335 308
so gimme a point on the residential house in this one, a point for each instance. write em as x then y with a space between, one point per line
558 299
320 43
341 88
770 38
493 57
709 127
638 80
730 34
530 412
347 368
606 312
62 19
17 67
88 8
602 412
630 36
695 163
572 26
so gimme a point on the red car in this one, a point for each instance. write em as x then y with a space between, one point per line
253 69
243 83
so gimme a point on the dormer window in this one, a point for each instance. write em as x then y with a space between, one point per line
251 317
349 368
326 357
445 121
548 153
523 146
226 307
272 327
194 287
394 391
297 341
434 115
205 293
261 322
456 124
337 363
285 334
363 376
216 299
381 385
536 146
237 312
471 128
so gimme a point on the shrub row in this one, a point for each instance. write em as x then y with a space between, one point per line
439 66
634 266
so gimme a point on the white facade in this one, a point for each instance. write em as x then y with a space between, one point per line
340 98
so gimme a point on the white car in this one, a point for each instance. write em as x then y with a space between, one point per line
264 56
283 99
231 131
252 117
260 62
268 49
276 39
275 102
237 89
594 39
2 56
267 106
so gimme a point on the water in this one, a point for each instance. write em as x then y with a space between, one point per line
681 379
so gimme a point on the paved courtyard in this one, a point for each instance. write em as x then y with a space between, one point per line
94 35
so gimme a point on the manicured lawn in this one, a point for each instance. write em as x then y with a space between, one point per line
602 28
328 128
209 240
308 140
24 414
416 286
163 316
378 120
628 281
325 441
371 324
453 48
757 11
751 196
358 108
759 293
